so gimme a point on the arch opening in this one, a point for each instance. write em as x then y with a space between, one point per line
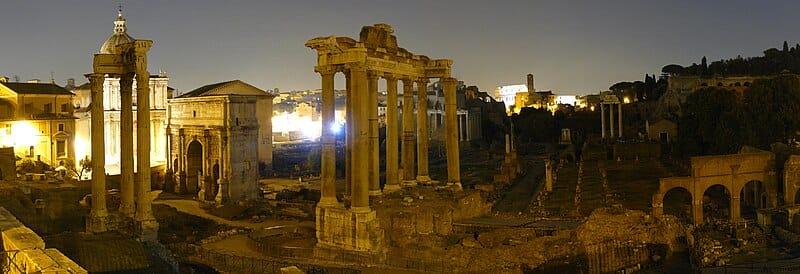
753 197
797 197
716 203
678 202
194 165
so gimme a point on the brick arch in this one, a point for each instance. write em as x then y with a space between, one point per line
732 171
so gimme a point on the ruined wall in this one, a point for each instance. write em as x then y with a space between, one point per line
791 180
431 216
720 165
8 170
25 251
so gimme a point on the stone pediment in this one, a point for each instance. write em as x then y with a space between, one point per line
235 87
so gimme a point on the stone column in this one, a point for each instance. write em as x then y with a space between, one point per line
408 132
127 206
348 135
98 215
508 145
392 176
451 136
697 210
180 185
611 120
203 180
620 120
224 164
548 171
360 174
602 120
422 131
374 148
328 188
146 223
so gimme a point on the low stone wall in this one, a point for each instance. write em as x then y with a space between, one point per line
24 251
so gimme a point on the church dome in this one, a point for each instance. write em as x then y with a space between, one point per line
119 37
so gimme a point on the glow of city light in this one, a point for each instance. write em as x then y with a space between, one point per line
24 134
336 128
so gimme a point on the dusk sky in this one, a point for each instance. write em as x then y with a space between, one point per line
572 47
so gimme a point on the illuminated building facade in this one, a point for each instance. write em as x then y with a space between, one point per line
219 135
37 120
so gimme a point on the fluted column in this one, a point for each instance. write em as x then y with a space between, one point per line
611 120
620 119
328 188
360 103
127 206
374 149
144 212
98 214
348 135
180 185
451 134
422 131
407 149
392 176
602 120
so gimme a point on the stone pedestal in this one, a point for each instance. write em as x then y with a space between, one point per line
97 222
146 230
222 193
349 229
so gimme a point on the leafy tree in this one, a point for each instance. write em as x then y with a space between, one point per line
74 171
712 123
772 106
673 69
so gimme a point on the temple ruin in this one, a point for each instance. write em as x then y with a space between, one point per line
376 55
124 58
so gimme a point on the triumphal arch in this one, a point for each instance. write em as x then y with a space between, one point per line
124 59
376 55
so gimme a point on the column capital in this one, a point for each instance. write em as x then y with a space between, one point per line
326 70
448 80
407 81
355 66
95 76
373 75
389 77
422 81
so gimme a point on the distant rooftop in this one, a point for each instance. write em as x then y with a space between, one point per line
37 88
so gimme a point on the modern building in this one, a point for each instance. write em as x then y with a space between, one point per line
37 120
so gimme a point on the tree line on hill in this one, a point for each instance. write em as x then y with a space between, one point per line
717 120
773 61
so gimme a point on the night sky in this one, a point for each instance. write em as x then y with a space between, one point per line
572 47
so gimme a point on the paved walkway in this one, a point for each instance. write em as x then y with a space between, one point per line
192 207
